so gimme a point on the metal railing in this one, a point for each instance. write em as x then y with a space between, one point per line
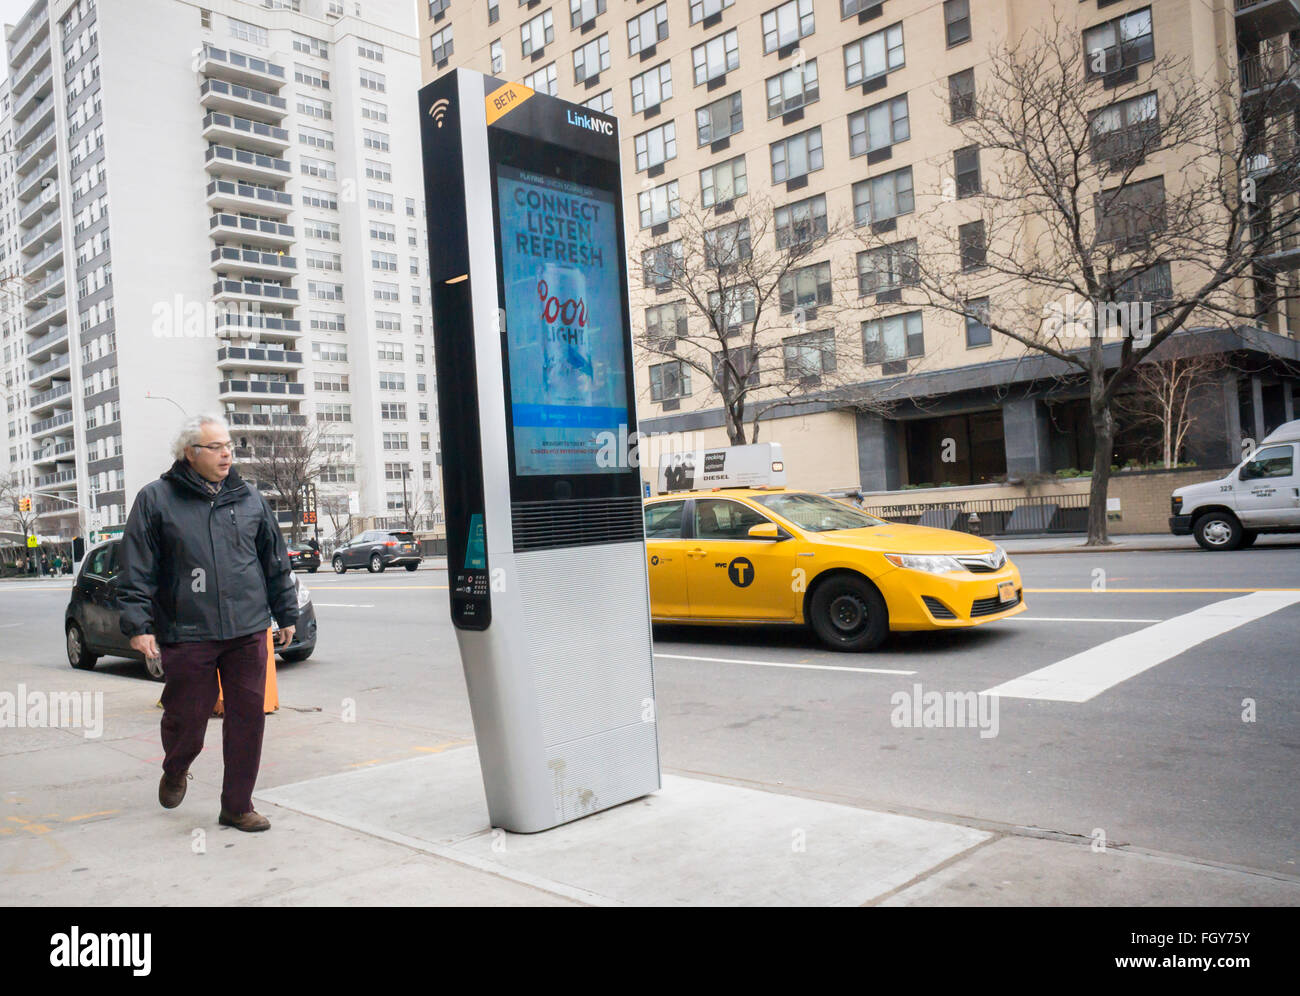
56 478
22 37
257 225
53 452
52 278
248 190
246 158
30 147
260 387
36 317
264 419
35 175
35 347
31 60
241 61
39 208
244 93
254 256
220 119
255 355
1066 513
260 322
59 361
36 262
39 110
50 423
30 88
52 394
254 288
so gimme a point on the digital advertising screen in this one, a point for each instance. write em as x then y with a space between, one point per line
565 340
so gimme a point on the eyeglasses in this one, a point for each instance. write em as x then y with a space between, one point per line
215 447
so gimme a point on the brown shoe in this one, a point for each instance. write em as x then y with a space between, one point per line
248 822
172 790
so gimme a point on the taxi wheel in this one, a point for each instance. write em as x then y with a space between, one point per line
848 613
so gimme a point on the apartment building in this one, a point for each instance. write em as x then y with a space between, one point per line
827 108
12 360
219 208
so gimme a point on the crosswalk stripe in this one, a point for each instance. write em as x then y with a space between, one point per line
801 667
1086 675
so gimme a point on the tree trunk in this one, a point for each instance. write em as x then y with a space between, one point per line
1103 431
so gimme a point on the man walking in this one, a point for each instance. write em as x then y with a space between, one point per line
204 569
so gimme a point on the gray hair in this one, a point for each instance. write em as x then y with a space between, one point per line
192 431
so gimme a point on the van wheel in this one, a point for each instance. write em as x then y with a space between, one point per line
1218 531
79 655
847 613
376 564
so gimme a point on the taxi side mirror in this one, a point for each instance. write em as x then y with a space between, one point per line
765 530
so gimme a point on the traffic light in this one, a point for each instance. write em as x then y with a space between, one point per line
24 504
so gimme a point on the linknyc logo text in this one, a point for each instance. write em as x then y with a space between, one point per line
590 123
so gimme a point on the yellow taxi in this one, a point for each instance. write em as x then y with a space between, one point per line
769 555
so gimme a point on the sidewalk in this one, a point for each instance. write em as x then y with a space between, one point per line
1074 543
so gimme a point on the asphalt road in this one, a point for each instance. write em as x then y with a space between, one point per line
1161 759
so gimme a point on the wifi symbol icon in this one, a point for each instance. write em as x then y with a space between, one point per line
439 110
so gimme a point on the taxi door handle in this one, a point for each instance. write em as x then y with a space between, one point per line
697 552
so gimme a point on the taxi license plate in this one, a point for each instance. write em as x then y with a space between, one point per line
1007 591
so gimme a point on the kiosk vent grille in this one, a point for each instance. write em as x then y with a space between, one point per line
545 525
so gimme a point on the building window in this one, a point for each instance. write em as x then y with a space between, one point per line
972 242
311 46
372 111
1125 128
652 88
850 7
377 140
665 322
956 21
786 24
395 441
535 34
883 197
379 171
735 367
331 352
797 156
389 350
887 268
316 138
383 261
311 76
602 102
393 382
806 287
648 29
591 59
314 107
719 119
205 19
878 53
727 245
659 204
375 52
1121 43
961 95
494 11
723 183
250 33
732 307
372 81
800 222
898 337
792 89
966 168
700 9
879 126
661 265
333 413
331 382
809 355
977 323
583 11
498 56
441 44
669 380
378 200
1131 213
716 57
544 80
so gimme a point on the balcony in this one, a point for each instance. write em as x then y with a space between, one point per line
218 95
23 38
58 477
31 182
260 359
254 229
47 203
243 196
44 375
231 390
260 327
261 419
29 154
41 113
44 230
40 291
33 62
240 68
1267 18
1270 83
33 266
48 425
228 259
253 292
222 160
47 399
41 348
38 320
1275 165
219 126
53 453
40 87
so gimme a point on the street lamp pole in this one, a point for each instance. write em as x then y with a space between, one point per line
406 506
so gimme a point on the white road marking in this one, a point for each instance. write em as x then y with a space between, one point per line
1086 675
805 667
1079 619
344 605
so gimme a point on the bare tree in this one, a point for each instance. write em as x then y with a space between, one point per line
1163 397
11 493
1102 201
284 460
741 295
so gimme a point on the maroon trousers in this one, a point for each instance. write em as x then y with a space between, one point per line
189 696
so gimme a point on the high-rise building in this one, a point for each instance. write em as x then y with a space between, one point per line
848 108
219 208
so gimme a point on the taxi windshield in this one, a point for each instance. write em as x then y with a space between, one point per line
817 514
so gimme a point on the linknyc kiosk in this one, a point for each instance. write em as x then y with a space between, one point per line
545 536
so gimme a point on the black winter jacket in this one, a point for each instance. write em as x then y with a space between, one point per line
198 566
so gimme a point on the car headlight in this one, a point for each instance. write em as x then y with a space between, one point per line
927 562
304 596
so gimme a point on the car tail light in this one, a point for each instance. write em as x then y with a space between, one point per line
391 543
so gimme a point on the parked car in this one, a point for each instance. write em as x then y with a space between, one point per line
377 549
304 557
91 622
1261 495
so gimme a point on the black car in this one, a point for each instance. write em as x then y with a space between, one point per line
304 557
90 624
376 549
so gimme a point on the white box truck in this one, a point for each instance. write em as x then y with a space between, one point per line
1261 495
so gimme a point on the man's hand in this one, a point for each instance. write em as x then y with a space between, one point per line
285 636
147 644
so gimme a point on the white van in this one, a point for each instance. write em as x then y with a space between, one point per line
1262 495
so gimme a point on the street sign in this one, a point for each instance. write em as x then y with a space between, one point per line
354 503
32 542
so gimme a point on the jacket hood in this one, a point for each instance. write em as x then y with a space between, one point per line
180 472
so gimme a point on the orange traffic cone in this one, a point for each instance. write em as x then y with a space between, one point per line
272 690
